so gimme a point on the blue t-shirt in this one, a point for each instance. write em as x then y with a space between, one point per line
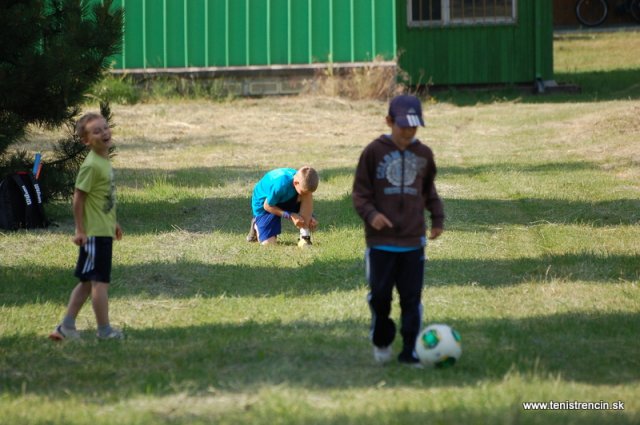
396 248
275 187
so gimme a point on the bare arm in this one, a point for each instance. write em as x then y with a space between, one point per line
297 219
79 198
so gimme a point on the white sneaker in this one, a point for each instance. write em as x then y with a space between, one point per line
61 332
113 334
382 355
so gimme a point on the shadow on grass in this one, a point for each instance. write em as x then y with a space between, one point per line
595 86
233 214
213 177
220 176
192 212
196 177
335 355
220 214
566 268
186 279
547 168
484 214
192 177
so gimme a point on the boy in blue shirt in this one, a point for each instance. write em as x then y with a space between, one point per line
283 193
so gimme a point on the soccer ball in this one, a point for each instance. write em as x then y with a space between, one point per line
438 345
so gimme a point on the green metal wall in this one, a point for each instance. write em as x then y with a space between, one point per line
479 54
223 33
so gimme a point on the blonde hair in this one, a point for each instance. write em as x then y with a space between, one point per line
81 124
308 178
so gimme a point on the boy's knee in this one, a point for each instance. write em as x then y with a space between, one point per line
271 241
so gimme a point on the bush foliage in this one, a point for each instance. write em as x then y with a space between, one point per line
53 52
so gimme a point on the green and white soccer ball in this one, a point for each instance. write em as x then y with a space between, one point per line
438 345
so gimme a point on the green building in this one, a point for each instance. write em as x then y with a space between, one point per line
442 42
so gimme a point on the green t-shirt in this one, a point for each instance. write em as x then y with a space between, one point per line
95 178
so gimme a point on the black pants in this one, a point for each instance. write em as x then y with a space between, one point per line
405 271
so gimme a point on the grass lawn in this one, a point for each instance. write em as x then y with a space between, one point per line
538 269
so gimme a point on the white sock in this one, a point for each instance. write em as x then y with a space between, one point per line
305 232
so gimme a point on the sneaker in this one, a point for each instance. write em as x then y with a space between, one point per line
304 242
382 355
61 332
113 334
410 360
252 236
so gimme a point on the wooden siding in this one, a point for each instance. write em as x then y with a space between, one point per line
479 54
225 33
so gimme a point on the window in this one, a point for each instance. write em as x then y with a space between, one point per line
425 10
460 12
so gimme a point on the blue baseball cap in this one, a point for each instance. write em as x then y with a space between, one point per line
406 111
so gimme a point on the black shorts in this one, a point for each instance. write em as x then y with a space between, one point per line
94 260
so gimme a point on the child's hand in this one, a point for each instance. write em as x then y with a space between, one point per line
80 239
313 225
297 220
118 232
380 221
435 232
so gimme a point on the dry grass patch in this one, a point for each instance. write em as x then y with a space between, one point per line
376 80
584 51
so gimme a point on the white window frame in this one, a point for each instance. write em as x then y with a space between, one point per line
448 21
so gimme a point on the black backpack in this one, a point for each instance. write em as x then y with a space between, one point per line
21 203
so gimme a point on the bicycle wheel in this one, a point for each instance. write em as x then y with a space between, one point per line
591 13
635 10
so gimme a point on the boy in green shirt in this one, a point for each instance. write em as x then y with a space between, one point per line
94 212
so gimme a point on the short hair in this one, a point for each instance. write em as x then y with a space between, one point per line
81 124
308 178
